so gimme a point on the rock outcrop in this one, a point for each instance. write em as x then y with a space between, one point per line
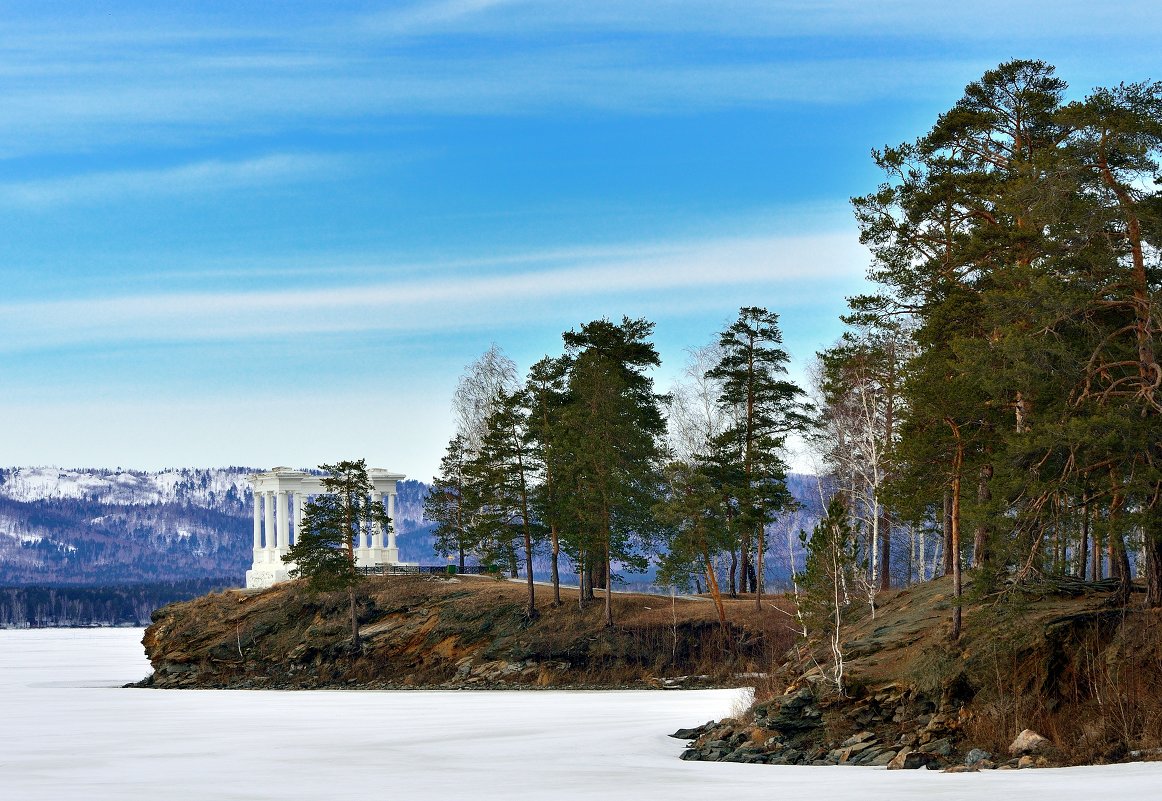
466 632
893 726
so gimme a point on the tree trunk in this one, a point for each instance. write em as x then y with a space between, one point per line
460 520
889 423
1058 555
954 543
531 611
555 568
1083 545
733 568
608 588
937 557
1119 559
948 551
354 618
980 554
1153 547
1120 566
582 573
600 574
1095 550
712 583
956 586
1152 544
349 543
758 588
915 555
886 552
744 564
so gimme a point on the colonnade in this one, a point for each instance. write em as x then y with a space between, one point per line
278 522
279 497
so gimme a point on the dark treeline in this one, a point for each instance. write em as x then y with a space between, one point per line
1001 389
126 605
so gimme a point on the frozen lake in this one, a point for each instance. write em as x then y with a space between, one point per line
67 731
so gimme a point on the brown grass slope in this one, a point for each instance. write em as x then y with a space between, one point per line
424 631
1064 659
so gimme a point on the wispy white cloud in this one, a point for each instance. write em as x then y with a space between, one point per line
426 17
666 276
120 80
197 178
763 18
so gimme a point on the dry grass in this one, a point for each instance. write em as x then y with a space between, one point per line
420 629
1101 700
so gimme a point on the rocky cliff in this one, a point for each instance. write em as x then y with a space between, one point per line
428 631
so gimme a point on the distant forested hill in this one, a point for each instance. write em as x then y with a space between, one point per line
97 527
121 605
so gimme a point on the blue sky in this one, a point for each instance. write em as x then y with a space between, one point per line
275 233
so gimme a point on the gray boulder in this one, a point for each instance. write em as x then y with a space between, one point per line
1029 742
976 755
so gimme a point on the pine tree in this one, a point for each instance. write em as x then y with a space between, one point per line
545 398
693 513
610 444
1016 234
770 407
332 522
450 503
503 471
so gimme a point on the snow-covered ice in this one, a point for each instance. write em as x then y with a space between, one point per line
67 731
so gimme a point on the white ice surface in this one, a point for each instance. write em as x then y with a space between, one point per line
67 731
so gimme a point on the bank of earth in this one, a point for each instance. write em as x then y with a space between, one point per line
1050 673
423 632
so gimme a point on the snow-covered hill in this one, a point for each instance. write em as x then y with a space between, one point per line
106 527
201 487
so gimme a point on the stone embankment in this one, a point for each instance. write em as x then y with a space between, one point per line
895 727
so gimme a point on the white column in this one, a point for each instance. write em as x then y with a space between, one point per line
392 554
283 523
377 532
257 526
268 500
298 502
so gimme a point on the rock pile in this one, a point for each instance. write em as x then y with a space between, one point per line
893 724
894 727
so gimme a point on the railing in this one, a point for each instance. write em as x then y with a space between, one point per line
450 570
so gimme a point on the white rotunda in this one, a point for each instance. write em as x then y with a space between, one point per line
279 495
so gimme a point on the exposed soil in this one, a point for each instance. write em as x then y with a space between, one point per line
429 632
1064 660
